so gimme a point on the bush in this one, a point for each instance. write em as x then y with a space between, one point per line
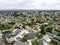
34 42
4 39
39 36
11 23
52 42
58 34
23 40
49 29
4 26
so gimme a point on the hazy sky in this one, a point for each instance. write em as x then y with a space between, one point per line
30 4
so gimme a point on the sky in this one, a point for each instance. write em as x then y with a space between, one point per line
30 4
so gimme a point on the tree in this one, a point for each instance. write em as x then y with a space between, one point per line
35 42
39 36
24 39
15 14
4 26
42 29
49 29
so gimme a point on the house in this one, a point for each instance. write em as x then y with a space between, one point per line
32 35
47 38
42 42
8 37
57 23
29 42
54 32
45 43
28 28
10 40
46 23
1 41
19 43
16 31
0 34
21 34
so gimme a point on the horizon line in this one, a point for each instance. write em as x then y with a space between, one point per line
29 10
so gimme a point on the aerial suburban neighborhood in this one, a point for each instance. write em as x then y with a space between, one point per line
29 27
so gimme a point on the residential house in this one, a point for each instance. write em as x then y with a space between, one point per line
1 41
19 43
47 38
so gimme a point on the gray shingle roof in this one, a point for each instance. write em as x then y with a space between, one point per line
19 43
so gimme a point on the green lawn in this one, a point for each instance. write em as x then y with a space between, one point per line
4 26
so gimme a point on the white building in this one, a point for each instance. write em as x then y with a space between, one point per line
29 42
0 34
21 34
1 41
15 31
42 42
47 38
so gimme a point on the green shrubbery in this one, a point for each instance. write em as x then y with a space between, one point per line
39 36
43 29
35 42
4 26
23 40
49 29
